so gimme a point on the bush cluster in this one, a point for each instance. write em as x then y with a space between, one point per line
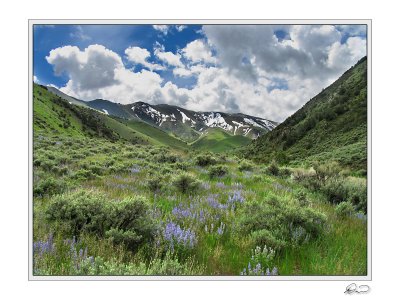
186 183
280 223
217 171
246 166
328 179
124 221
205 159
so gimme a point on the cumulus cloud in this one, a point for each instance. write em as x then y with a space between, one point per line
139 55
35 79
198 51
244 68
90 69
162 28
167 57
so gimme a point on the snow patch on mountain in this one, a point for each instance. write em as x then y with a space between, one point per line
252 122
268 124
216 120
186 118
246 131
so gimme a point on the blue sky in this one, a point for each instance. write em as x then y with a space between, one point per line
264 70
114 37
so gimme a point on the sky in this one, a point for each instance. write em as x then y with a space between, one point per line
268 71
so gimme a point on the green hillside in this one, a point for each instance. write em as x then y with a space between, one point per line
157 134
332 126
218 140
54 115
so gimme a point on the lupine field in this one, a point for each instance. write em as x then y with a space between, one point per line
105 207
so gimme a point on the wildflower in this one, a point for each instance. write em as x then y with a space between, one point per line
134 169
221 228
173 233
235 197
220 185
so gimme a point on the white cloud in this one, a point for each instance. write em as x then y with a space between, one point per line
139 55
353 30
198 51
252 71
90 69
341 56
35 79
162 28
167 57
180 27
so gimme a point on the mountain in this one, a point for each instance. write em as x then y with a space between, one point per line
59 114
184 124
332 126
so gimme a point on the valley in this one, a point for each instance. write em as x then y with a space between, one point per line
145 189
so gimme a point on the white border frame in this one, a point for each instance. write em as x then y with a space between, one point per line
32 22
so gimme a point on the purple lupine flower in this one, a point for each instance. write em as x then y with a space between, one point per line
134 169
235 197
221 228
220 185
46 246
214 203
173 233
237 186
206 185
361 216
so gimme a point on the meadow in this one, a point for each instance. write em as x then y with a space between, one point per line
103 207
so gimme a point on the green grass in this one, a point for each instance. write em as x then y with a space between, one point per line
218 140
80 149
155 133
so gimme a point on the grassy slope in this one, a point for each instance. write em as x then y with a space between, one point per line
155 133
56 116
46 118
331 126
218 140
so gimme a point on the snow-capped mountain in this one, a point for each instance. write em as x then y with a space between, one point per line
169 117
185 124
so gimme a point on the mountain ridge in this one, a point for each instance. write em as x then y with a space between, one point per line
182 123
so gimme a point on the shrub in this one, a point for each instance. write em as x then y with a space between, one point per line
204 160
341 189
83 174
48 187
344 209
273 169
327 170
124 221
154 184
265 237
302 175
301 197
186 183
217 171
246 166
183 166
285 172
166 158
280 222
128 238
